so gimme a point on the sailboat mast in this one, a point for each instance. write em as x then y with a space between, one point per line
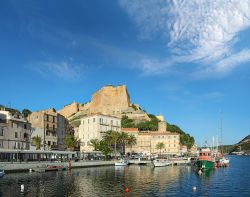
221 131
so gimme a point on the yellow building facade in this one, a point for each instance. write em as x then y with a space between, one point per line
147 141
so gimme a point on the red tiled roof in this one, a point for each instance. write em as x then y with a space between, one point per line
129 129
157 133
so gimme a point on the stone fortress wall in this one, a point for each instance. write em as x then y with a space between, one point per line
109 100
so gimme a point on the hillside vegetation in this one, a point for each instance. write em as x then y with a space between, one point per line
152 125
243 145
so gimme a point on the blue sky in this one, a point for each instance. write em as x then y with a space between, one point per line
186 60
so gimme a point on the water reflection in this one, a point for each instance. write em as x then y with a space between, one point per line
138 180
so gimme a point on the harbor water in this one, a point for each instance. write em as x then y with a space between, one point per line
132 180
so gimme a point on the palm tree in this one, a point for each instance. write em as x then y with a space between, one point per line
37 142
95 143
123 139
131 140
160 145
112 138
71 142
107 138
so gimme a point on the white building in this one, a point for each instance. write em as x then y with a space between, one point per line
15 131
94 127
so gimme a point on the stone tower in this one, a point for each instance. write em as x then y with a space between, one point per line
110 100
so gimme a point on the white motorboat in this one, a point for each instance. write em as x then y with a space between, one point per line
224 161
161 162
2 173
122 162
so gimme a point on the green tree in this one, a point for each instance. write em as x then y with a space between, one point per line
127 123
112 138
104 147
160 145
71 141
26 112
123 139
36 140
131 140
95 143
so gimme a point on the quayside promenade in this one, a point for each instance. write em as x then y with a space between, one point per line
9 167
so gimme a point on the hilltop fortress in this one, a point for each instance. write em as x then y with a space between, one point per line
109 100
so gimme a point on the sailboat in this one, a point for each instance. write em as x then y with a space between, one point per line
222 161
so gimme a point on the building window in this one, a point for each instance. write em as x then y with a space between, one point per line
88 120
93 119
1 132
1 143
25 126
47 117
49 143
16 135
111 122
47 133
25 135
17 125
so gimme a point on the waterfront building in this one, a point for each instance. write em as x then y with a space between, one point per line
15 131
94 127
51 127
147 140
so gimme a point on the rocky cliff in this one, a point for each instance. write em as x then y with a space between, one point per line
70 109
110 100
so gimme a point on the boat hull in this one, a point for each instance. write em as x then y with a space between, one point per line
160 163
2 174
121 163
204 164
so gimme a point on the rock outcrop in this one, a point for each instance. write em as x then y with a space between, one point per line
108 100
70 109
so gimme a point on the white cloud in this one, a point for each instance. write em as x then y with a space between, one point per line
224 66
200 31
63 69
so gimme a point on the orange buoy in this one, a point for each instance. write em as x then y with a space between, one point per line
126 189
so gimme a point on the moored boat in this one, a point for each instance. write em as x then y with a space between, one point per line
121 162
2 173
161 162
205 160
223 162
55 167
